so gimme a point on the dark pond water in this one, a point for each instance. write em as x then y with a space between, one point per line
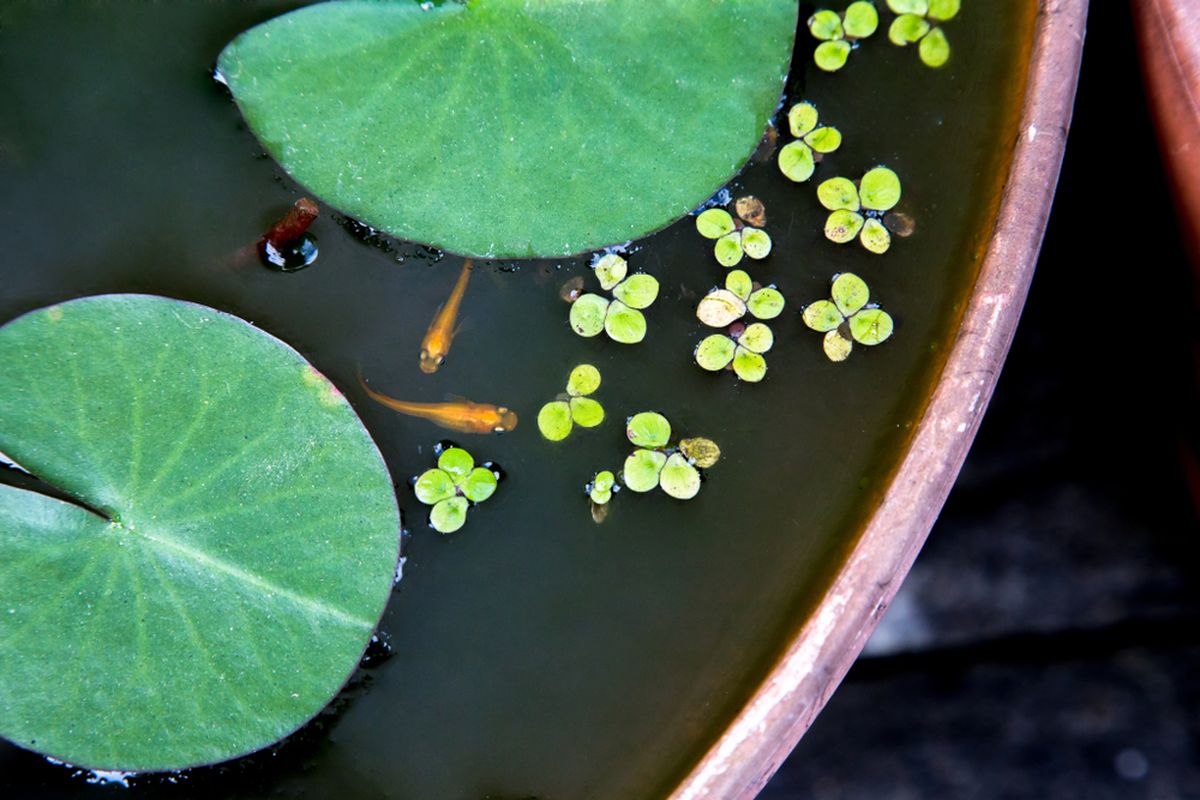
536 653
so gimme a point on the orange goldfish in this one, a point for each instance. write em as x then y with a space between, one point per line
436 344
463 416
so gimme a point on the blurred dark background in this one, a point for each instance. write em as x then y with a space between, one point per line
1047 642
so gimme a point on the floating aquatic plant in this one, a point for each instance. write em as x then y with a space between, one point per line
600 490
741 347
918 23
621 318
558 417
848 317
798 159
453 486
736 237
839 33
858 210
655 465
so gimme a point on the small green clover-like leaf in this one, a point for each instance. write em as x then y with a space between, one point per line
479 485
850 293
837 347
918 7
879 189
906 29
648 429
702 452
934 49
875 237
861 20
757 338
766 303
750 367
610 270
554 420
871 326
637 291
433 486
678 478
586 412
449 515
600 490
720 308
942 10
739 282
842 226
584 380
588 313
715 352
838 194
802 118
728 249
823 316
796 161
624 324
756 243
641 470
824 139
713 223
832 56
826 25
456 463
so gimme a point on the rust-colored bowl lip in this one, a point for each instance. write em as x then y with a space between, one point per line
767 728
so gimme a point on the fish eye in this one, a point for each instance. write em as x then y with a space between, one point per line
502 410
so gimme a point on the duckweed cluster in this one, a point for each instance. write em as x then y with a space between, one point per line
847 317
558 417
857 210
918 23
735 238
839 33
621 317
742 346
453 486
655 465
798 160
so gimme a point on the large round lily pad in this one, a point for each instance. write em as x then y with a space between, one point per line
237 547
509 129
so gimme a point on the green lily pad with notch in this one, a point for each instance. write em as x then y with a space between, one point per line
583 380
832 56
456 462
713 223
728 249
823 316
586 412
796 161
879 189
750 367
842 226
678 478
824 139
871 326
875 237
587 314
943 10
554 420
601 487
449 515
739 282
479 485
838 194
934 48
826 25
802 118
850 293
757 338
756 242
240 548
641 470
637 291
508 129
648 429
907 28
765 303
861 19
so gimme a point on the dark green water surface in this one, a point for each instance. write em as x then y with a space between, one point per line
536 653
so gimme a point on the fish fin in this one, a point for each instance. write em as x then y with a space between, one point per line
456 398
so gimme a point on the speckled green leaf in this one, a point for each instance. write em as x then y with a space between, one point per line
715 352
837 194
836 346
641 470
765 303
648 429
243 545
583 380
739 282
823 316
728 249
871 326
824 139
554 420
586 412
750 367
802 118
796 161
433 486
850 293
879 189
509 129
624 324
456 462
678 478
637 291
449 515
757 338
875 237
610 270
842 226
756 242
587 314
713 223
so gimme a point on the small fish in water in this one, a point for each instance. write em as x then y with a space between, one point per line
436 344
462 415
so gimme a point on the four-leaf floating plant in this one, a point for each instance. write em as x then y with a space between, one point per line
655 465
558 417
742 346
453 485
848 318
736 237
798 159
858 210
621 318
839 33
918 22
